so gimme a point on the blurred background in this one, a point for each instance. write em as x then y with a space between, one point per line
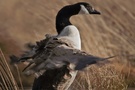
111 33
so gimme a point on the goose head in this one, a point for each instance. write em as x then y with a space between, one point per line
63 16
86 8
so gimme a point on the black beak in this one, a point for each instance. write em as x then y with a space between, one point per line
95 12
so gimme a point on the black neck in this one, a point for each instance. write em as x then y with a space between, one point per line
63 16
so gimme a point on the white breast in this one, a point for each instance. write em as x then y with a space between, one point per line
72 33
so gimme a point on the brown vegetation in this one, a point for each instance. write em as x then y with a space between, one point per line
7 80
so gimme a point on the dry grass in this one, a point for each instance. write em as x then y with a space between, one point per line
7 80
103 78
108 77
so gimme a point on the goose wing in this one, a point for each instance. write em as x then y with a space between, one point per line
59 53
54 52
76 59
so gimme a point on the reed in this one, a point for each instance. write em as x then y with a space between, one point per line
7 80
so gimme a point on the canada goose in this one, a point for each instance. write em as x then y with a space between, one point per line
60 55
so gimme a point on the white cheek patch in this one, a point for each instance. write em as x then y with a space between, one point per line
83 10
